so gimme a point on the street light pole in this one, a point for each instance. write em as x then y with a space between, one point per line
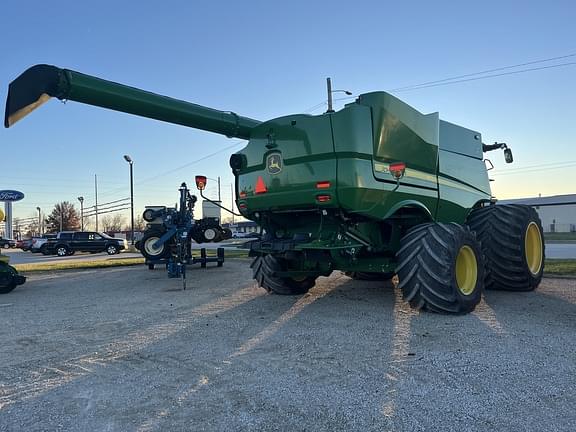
131 162
81 199
330 91
39 221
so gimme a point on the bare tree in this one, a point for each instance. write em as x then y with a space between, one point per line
139 224
112 223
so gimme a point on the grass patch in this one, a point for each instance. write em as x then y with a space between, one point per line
560 236
560 267
110 262
72 265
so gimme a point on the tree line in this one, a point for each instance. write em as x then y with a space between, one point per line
65 217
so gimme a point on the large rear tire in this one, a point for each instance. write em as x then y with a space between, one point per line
440 268
263 268
512 241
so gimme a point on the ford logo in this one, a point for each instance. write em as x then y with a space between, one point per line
10 195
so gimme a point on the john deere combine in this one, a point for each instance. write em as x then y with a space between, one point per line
374 189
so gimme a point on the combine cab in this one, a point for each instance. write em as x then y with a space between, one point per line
375 189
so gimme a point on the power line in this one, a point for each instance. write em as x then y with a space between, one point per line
191 163
535 170
459 78
540 165
484 72
487 76
148 179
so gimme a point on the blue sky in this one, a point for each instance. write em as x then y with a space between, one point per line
266 59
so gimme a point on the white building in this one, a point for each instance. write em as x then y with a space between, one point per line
558 213
211 210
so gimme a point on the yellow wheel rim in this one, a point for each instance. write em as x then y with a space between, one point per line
533 248
466 270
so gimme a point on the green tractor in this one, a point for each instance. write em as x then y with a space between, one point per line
373 190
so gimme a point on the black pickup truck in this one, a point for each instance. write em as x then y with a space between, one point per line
69 242
7 243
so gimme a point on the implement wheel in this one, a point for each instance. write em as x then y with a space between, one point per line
147 246
263 268
513 246
440 268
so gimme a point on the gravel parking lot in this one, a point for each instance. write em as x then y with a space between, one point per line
126 349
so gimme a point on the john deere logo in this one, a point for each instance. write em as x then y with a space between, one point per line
274 163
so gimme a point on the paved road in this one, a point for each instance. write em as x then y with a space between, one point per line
18 256
561 250
126 350
553 250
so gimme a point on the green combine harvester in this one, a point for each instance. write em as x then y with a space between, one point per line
375 189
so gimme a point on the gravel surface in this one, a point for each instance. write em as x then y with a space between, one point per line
126 349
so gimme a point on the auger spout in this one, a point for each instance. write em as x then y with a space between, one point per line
41 82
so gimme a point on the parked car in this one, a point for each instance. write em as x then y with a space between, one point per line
25 244
69 242
38 242
7 243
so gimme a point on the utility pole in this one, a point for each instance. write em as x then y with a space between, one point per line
329 88
232 200
131 162
96 194
39 221
219 196
330 91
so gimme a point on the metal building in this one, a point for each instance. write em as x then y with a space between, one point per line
558 212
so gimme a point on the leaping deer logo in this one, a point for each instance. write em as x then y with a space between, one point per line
274 163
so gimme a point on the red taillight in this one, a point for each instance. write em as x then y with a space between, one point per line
397 169
242 206
260 186
201 182
323 198
323 185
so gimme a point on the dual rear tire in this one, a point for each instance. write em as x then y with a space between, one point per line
513 245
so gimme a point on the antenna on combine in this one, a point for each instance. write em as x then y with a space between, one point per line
330 91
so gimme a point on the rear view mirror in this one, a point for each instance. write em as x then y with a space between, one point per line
201 182
508 155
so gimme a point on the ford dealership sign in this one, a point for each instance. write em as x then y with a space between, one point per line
10 195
